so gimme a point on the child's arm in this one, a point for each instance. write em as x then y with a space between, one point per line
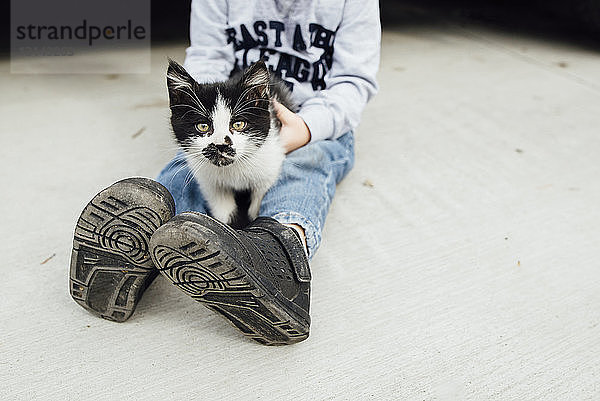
209 58
351 80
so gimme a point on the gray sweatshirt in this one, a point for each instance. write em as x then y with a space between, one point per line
326 50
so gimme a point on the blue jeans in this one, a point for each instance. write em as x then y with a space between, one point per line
301 195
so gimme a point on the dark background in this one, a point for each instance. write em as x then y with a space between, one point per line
577 20
565 20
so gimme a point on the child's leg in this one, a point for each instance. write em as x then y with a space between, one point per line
257 277
301 196
178 179
306 186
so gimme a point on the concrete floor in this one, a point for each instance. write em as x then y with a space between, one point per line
460 260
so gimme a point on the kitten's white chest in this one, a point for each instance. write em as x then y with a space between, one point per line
255 173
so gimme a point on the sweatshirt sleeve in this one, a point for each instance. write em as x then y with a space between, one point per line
350 82
209 58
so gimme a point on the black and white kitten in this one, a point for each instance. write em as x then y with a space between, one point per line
230 137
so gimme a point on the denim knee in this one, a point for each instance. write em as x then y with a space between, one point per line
328 156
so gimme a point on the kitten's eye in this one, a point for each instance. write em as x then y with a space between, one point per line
238 125
202 127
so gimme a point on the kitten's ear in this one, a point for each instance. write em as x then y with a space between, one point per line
178 80
257 77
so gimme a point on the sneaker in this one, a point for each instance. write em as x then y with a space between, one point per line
110 263
258 277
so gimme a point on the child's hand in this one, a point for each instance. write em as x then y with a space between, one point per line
294 132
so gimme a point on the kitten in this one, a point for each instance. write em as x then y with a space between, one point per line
230 137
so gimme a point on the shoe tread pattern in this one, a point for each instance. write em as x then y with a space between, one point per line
210 276
110 262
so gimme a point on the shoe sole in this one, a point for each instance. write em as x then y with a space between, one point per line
111 265
204 259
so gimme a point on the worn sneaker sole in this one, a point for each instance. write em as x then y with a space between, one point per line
205 259
110 263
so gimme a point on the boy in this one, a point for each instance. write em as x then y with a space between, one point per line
258 277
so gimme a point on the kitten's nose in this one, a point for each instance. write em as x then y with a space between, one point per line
224 148
220 155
